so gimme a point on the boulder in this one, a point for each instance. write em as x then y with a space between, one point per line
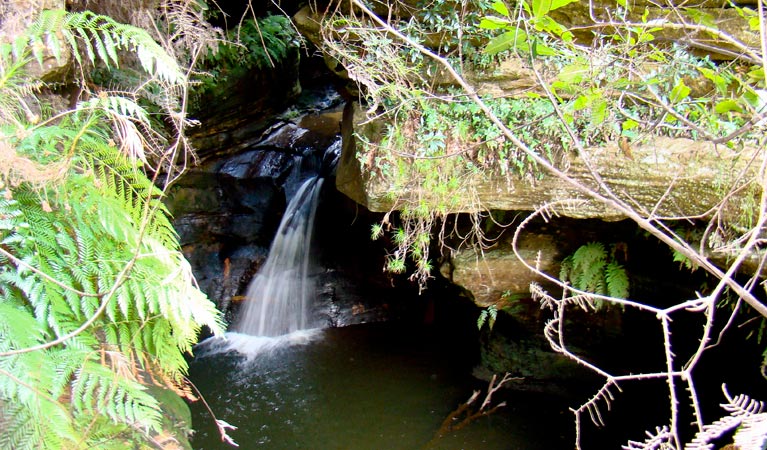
496 276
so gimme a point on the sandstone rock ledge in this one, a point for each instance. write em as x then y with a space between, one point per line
664 177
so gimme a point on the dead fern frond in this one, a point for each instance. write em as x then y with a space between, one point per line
592 406
584 301
191 32
741 404
16 169
712 431
539 294
662 439
743 412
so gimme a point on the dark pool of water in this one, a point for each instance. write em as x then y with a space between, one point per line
364 387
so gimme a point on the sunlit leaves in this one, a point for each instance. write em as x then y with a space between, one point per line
493 23
679 93
726 106
514 39
500 7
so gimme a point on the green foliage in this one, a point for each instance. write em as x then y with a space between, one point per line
488 315
517 38
454 23
260 44
256 44
614 84
98 38
591 269
376 231
97 303
664 90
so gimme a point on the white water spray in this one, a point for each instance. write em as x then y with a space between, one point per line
278 298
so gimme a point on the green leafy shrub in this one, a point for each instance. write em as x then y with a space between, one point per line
97 303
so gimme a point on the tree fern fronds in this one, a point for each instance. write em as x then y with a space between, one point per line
191 32
115 105
93 285
96 387
34 396
97 36
20 429
18 327
16 90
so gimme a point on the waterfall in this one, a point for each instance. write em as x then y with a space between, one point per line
278 297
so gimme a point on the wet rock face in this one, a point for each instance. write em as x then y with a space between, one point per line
228 208
517 346
225 218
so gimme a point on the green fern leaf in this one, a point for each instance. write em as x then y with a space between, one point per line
589 269
617 280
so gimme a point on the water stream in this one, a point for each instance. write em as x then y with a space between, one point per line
278 298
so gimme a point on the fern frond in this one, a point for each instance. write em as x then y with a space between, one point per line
589 269
98 36
539 294
18 327
592 406
617 280
97 388
660 440
116 104
73 221
741 404
20 429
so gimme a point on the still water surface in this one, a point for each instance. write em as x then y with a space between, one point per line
379 386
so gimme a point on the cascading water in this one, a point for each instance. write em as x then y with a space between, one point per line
278 307
278 298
